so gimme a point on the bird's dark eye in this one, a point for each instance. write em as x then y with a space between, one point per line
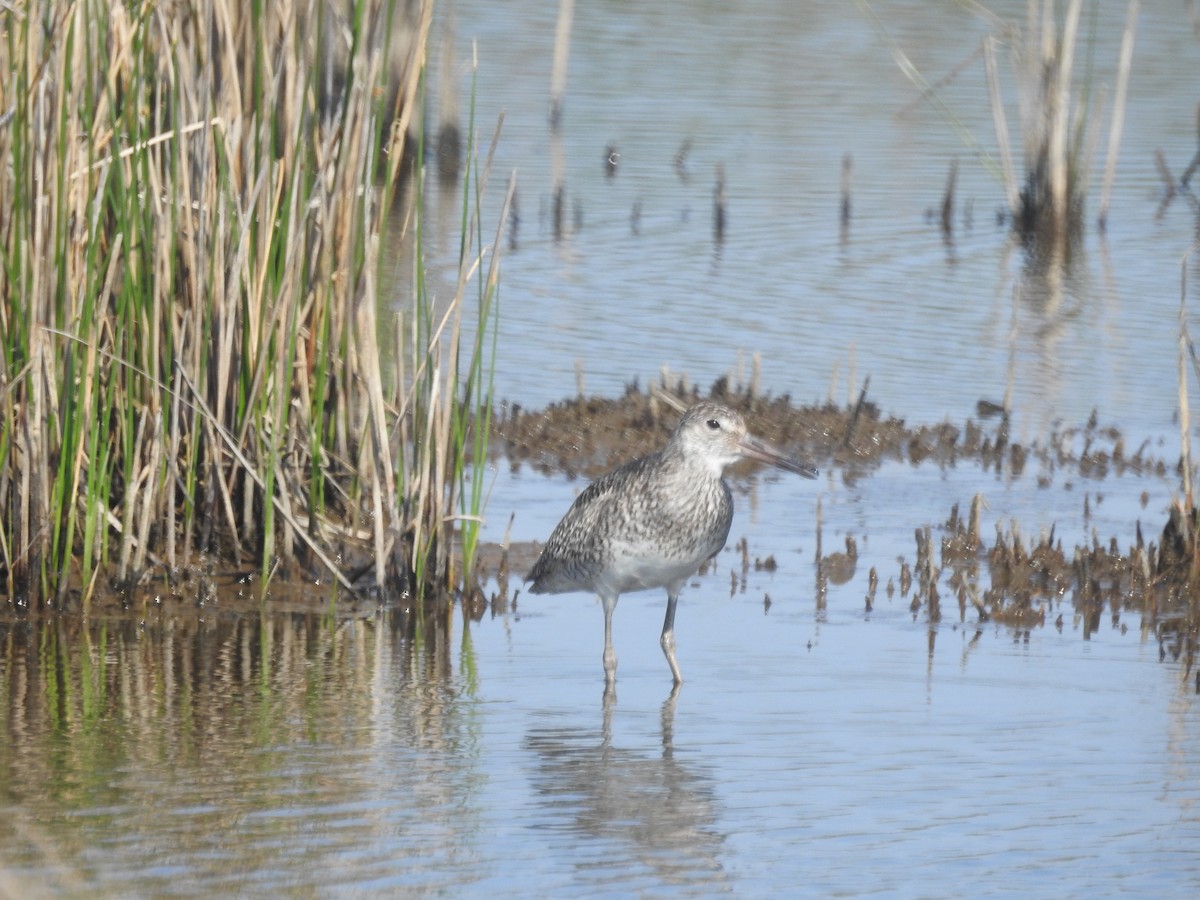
713 425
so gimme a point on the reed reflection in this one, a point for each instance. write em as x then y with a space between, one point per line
213 742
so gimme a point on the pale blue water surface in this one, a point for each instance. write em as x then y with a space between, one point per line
778 94
814 749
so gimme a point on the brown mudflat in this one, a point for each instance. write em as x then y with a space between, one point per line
587 436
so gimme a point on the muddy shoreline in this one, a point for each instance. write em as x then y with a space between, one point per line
586 436
954 571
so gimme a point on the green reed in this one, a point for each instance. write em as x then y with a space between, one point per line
190 229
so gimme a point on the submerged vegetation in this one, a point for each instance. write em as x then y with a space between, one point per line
193 202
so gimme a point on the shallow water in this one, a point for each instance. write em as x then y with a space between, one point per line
839 751
813 744
817 746
778 96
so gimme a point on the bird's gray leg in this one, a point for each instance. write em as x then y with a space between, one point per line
668 633
610 655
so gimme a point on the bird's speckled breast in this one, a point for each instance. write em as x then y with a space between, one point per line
642 526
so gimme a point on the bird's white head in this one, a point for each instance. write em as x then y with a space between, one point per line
716 436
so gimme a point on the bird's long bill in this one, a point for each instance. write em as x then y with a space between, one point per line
753 448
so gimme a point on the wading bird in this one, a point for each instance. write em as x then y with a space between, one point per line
654 521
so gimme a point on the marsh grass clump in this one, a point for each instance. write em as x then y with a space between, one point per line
1177 564
1059 121
1058 117
192 199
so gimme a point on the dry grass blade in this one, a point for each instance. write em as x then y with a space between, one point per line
1124 67
1000 123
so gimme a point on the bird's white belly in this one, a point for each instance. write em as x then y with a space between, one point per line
631 569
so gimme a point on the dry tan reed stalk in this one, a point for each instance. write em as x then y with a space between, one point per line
1060 55
1117 125
141 543
1185 442
130 501
174 477
1000 124
558 70
385 512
